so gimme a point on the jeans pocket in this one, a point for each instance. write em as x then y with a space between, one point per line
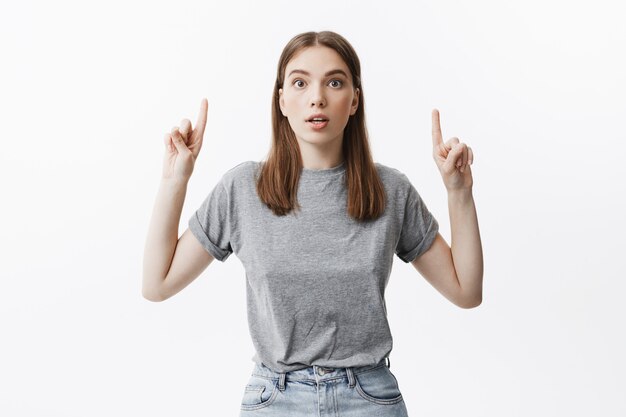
259 393
379 386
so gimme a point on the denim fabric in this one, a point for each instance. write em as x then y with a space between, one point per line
370 391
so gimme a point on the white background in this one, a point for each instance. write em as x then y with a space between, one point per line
536 88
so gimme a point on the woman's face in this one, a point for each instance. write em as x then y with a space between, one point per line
317 80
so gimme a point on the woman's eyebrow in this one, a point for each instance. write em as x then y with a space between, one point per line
331 72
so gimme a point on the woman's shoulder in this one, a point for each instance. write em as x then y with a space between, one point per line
247 171
239 174
390 175
241 169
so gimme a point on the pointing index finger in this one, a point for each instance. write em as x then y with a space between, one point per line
201 123
437 137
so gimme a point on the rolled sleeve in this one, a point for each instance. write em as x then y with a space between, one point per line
211 223
419 227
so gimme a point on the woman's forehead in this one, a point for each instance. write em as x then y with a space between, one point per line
316 60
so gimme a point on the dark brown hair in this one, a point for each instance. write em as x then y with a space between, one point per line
277 183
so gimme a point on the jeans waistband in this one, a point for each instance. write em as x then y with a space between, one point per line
316 373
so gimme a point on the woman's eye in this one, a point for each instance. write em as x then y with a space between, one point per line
300 83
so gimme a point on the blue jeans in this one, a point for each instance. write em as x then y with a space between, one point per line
316 391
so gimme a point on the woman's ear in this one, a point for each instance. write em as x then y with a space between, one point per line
355 101
281 102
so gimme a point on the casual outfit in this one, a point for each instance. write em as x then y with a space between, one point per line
315 283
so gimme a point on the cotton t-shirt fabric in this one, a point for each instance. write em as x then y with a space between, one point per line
315 279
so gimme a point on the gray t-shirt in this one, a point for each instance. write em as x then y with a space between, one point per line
315 279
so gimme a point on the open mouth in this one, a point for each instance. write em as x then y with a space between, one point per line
318 121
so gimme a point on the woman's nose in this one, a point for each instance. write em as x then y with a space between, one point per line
318 101
318 98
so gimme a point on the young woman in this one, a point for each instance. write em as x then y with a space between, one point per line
316 226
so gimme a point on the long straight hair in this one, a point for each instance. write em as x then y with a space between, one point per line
278 179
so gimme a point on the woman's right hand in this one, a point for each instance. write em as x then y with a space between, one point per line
182 146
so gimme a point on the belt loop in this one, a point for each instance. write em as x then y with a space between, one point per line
388 362
281 381
351 379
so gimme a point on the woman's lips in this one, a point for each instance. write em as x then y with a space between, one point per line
317 125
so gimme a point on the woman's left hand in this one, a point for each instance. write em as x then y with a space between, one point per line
453 158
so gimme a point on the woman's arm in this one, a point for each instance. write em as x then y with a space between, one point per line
457 271
162 236
182 147
466 247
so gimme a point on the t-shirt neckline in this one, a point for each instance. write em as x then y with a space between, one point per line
320 174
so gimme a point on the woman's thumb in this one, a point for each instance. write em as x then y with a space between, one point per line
456 154
178 141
